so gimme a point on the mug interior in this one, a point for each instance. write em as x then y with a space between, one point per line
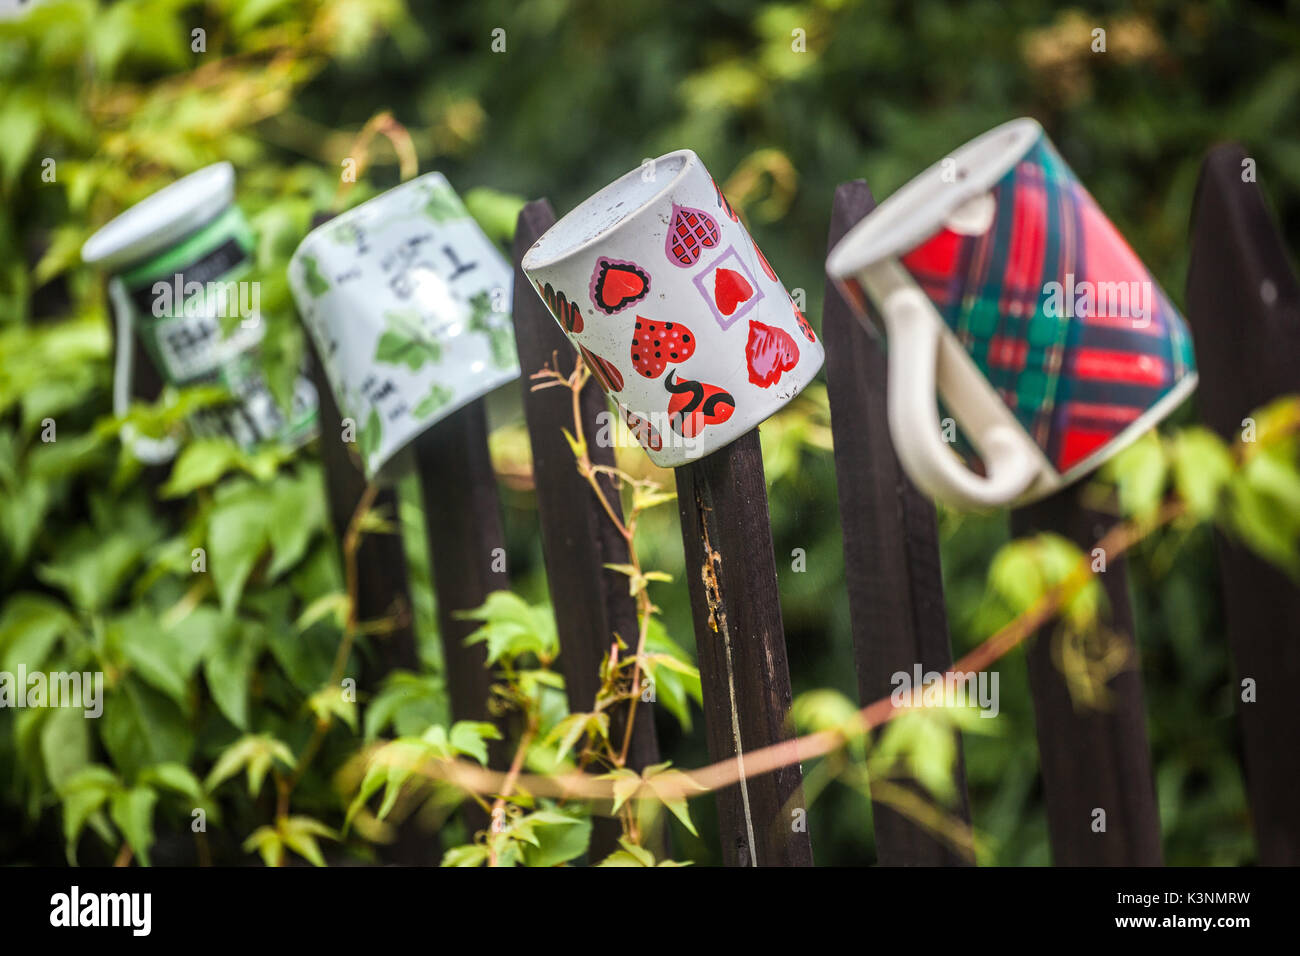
606 209
918 209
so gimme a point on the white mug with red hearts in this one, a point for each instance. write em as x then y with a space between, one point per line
674 309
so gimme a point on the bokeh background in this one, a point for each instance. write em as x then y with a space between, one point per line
91 560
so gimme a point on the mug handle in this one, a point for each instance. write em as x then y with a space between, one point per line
921 366
150 451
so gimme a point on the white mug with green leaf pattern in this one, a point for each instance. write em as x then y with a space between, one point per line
408 303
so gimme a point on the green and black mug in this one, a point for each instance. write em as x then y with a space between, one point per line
178 263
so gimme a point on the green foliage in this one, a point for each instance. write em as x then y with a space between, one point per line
512 629
1253 490
633 855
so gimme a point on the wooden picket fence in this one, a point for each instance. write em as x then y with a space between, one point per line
1248 349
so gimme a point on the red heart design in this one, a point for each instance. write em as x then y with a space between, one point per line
655 344
617 284
730 289
769 352
691 232
620 284
696 404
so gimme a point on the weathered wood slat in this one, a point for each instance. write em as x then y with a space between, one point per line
1092 759
891 541
383 588
731 570
591 603
462 516
1243 302
382 593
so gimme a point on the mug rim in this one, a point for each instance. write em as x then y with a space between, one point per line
917 209
162 218
598 206
355 212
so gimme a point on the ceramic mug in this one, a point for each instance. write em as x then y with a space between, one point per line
177 262
408 303
674 309
1006 291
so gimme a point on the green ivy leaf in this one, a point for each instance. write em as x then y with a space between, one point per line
469 737
1202 468
329 703
674 686
472 854
512 628
84 794
268 844
132 812
408 703
65 744
1140 472
632 855
141 726
30 627
298 515
175 777
91 567
254 753
819 710
238 533
228 670
299 834
626 783
665 783
150 654
557 838
200 464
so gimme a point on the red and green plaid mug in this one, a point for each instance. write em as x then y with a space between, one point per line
1005 291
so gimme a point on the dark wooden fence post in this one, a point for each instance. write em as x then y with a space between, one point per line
1243 302
1092 759
462 514
463 521
731 570
383 590
891 542
591 603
